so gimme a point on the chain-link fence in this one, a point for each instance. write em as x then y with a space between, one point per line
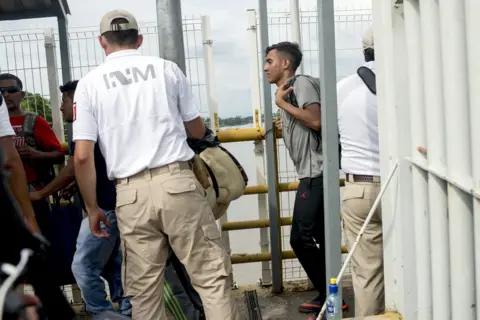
23 54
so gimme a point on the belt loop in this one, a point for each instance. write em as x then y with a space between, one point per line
148 174
174 167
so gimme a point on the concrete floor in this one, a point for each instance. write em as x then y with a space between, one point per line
284 306
279 307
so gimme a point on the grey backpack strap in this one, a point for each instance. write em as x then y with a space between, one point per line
368 77
28 125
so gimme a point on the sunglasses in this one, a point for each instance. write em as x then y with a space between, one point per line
11 89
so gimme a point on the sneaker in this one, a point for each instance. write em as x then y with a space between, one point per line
315 306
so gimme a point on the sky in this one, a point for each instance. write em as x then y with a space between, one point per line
230 42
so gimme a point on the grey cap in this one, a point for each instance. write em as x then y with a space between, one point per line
106 22
367 41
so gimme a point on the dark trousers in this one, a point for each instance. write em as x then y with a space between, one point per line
307 236
43 215
189 299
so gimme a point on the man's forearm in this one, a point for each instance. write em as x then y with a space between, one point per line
55 157
87 181
65 177
19 186
305 116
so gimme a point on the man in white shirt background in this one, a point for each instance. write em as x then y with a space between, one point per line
138 108
13 164
360 160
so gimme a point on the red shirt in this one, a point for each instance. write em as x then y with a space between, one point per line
44 137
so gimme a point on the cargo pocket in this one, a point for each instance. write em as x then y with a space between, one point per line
353 191
126 197
216 257
179 185
354 205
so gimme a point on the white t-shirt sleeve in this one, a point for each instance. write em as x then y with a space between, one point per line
187 102
5 126
85 125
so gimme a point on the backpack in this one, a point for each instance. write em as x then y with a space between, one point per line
45 173
218 171
316 84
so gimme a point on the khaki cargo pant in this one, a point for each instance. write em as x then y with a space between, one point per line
367 261
167 205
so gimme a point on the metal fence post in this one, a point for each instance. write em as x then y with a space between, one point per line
65 59
170 32
258 145
295 20
272 164
209 71
50 53
213 104
333 239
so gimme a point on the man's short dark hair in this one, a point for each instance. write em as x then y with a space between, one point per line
123 38
69 88
291 49
369 54
9 76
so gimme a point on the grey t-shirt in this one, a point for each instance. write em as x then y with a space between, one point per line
303 144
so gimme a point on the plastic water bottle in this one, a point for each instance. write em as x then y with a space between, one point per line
334 305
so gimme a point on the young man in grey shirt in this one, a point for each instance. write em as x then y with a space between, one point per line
298 98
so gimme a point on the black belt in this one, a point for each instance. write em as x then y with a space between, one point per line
361 178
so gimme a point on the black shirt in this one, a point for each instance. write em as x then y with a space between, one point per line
106 194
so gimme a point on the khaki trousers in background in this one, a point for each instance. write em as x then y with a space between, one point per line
168 205
367 261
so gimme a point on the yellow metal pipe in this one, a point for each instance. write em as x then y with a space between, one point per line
238 258
253 224
229 135
241 134
283 187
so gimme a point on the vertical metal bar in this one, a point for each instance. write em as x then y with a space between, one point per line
437 188
326 52
472 7
52 73
209 70
295 20
272 172
212 101
403 209
65 60
459 165
170 32
421 215
258 145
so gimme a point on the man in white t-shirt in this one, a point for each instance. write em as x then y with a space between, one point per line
138 108
13 163
360 160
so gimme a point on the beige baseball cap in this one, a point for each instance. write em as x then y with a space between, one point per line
367 40
106 22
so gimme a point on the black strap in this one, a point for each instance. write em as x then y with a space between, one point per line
368 77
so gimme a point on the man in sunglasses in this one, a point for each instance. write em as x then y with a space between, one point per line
13 164
36 143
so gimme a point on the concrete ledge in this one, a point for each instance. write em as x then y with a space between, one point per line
386 316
